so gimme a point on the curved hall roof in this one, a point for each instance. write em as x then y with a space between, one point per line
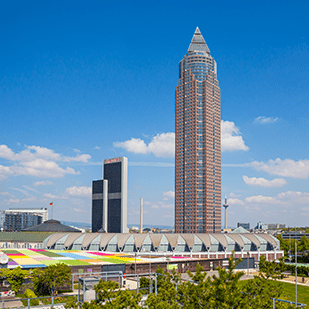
173 240
51 226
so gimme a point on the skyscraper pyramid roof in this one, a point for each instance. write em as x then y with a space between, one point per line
198 42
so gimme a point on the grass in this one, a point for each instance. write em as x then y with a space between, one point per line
288 292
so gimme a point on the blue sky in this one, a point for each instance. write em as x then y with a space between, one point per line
82 81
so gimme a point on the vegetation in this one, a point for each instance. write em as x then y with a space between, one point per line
30 294
15 277
289 244
222 291
49 280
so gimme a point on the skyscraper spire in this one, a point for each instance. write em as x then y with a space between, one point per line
198 42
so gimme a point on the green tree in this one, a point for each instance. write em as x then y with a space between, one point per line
260 291
303 244
108 297
48 280
15 277
220 291
167 296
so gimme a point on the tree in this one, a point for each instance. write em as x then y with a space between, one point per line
220 291
109 298
260 291
48 280
15 277
168 296
303 244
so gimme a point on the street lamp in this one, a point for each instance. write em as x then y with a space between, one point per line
248 255
295 272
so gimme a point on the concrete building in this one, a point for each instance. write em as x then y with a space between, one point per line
244 225
19 221
109 197
198 142
261 226
43 212
211 246
274 226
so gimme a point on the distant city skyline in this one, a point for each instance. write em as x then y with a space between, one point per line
81 82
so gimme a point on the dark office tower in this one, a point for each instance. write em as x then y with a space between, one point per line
109 197
198 143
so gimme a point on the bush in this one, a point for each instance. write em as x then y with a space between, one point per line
65 291
30 294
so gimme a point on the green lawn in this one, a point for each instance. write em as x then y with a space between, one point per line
289 292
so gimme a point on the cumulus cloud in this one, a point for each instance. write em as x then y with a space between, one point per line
78 191
284 168
262 182
234 195
37 161
135 145
169 194
258 199
263 119
231 139
51 196
288 198
161 145
235 201
42 183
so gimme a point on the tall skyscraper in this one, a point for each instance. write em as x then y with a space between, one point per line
109 197
198 142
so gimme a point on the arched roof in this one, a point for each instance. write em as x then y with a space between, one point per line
139 239
212 242
51 226
89 237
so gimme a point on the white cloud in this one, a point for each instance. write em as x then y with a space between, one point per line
78 191
284 168
71 193
50 196
261 199
295 197
234 195
263 119
135 145
37 161
288 198
30 189
169 194
97 148
262 182
79 210
5 193
235 201
5 172
42 183
161 145
231 139
12 201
